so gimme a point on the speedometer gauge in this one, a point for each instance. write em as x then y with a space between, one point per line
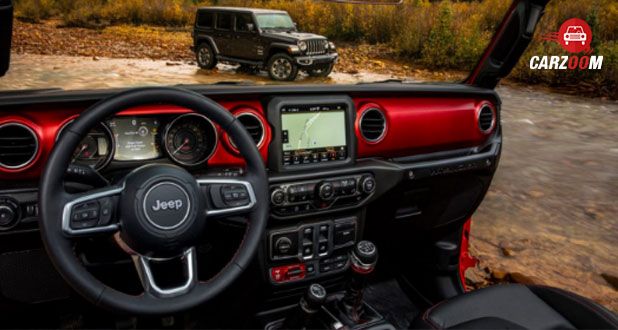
190 139
95 150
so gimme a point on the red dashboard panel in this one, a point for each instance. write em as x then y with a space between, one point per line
413 126
422 125
47 121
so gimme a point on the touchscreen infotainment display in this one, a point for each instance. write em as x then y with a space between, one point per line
312 134
136 138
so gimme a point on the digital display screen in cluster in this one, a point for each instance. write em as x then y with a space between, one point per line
136 138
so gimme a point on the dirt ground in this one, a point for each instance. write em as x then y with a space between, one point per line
551 215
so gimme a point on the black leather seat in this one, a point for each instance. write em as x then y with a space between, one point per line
516 306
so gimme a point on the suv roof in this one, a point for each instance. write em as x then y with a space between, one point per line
243 10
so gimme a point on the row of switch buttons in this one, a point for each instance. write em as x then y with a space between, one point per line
345 233
334 263
234 195
288 273
92 213
308 243
311 196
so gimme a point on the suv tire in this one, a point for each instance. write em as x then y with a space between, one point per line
321 71
281 67
205 56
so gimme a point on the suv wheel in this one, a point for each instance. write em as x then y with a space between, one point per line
282 67
321 71
205 56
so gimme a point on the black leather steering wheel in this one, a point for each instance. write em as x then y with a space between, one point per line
158 212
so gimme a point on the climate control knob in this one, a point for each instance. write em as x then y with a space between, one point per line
367 184
277 197
326 191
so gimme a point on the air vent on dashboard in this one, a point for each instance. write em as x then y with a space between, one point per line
253 125
372 125
486 119
18 145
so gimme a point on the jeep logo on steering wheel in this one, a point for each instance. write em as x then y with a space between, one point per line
164 205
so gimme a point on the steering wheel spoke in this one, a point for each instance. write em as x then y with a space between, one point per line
91 213
228 197
189 264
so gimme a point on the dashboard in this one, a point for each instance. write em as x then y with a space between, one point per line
292 133
332 156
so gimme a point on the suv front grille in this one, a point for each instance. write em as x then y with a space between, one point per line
316 47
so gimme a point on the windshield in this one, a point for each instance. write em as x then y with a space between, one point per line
575 29
275 21
97 44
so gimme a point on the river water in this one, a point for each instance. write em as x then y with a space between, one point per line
553 203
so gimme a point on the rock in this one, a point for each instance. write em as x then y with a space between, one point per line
474 278
94 58
498 274
507 252
612 280
520 278
352 71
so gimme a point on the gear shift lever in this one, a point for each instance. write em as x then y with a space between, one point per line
363 261
309 306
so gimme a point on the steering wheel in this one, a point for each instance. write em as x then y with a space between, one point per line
156 213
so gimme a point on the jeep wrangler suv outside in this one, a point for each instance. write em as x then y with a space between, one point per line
260 39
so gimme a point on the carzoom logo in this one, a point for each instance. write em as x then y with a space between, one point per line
575 36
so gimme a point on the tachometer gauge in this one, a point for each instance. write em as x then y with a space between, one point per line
190 139
95 150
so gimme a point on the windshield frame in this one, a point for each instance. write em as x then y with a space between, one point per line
262 27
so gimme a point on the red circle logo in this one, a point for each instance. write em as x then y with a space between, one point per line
575 35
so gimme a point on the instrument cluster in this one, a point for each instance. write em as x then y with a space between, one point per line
189 139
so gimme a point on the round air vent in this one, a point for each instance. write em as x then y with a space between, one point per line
18 145
253 125
486 119
372 125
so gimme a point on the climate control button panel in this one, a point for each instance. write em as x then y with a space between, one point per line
306 197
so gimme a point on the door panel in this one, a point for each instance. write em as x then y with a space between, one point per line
223 33
245 41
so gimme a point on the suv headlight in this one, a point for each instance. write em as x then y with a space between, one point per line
331 45
302 45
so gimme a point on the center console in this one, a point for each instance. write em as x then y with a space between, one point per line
314 222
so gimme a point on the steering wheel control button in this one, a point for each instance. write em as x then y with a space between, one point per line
85 215
166 205
234 195
106 211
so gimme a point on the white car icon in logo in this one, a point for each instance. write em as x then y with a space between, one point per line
575 33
